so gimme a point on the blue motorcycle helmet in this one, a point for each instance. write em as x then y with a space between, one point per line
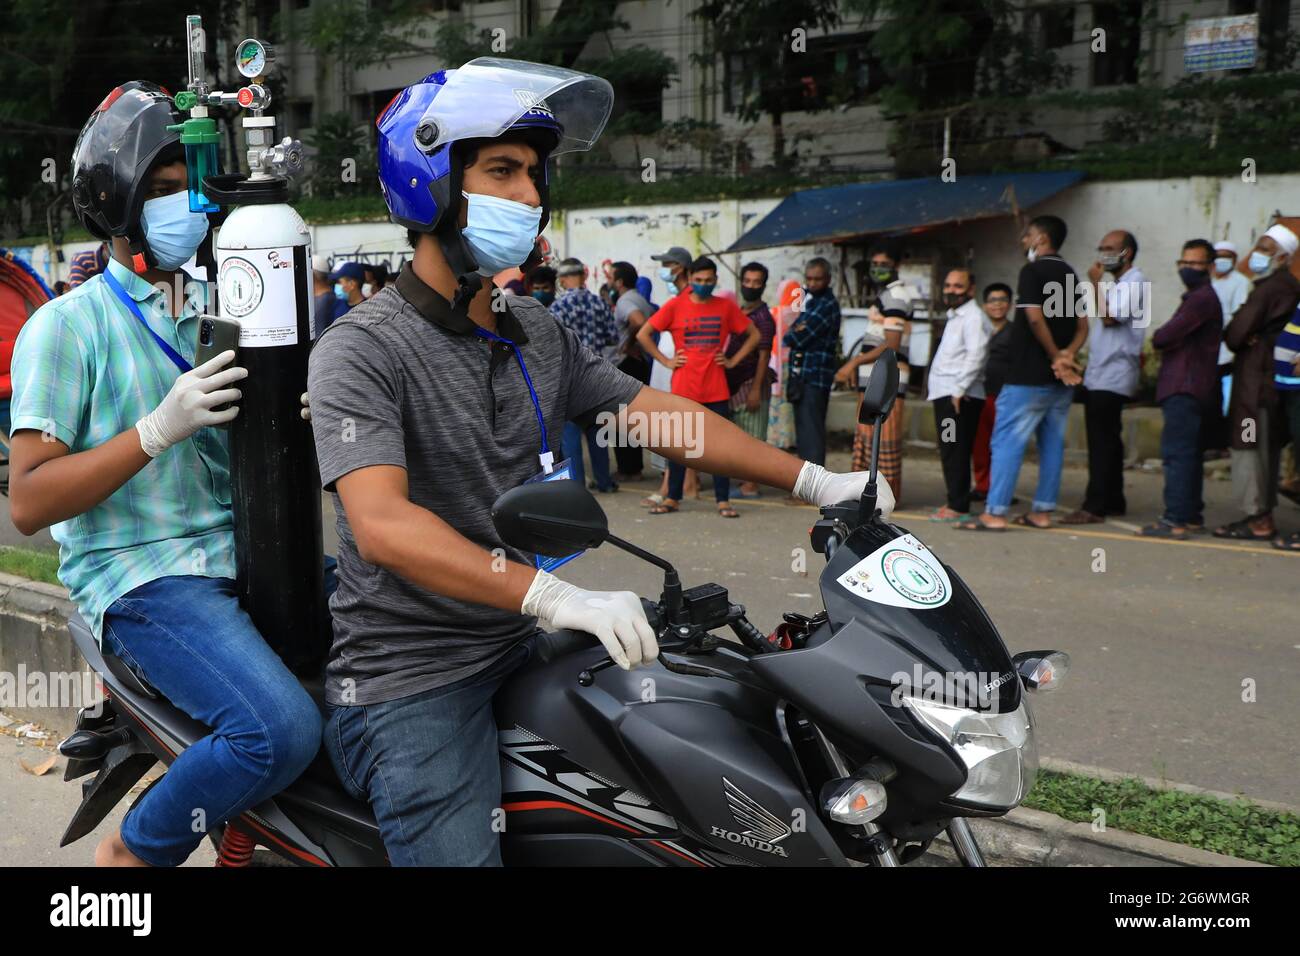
554 109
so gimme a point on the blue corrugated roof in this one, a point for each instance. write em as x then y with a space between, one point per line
843 212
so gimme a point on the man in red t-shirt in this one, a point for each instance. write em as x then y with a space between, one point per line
700 324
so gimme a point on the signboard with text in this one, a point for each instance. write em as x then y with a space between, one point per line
1221 43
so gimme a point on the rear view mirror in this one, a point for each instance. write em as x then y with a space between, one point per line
882 388
551 518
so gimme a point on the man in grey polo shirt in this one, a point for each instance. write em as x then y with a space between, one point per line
1111 379
423 415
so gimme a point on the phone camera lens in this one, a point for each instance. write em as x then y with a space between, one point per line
205 333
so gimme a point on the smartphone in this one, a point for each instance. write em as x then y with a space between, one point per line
217 335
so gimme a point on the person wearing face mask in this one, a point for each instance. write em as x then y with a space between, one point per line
675 270
432 399
376 277
631 311
891 327
115 451
997 306
1111 379
700 322
540 284
1232 288
1049 329
327 305
751 380
956 388
1186 390
348 281
1254 415
586 313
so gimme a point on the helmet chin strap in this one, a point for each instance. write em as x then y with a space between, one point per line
462 264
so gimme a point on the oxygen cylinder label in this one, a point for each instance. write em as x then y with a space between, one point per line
902 573
257 289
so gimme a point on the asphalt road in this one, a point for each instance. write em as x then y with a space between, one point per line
1163 641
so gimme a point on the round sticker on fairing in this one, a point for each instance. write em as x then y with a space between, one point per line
902 573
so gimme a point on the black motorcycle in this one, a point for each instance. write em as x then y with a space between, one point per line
854 736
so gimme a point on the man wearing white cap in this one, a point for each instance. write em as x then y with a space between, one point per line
1253 413
1232 287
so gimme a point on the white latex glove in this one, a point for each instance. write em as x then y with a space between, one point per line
820 487
188 406
616 618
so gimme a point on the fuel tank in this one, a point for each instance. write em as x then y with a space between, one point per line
697 767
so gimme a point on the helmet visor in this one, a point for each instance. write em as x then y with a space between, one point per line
489 95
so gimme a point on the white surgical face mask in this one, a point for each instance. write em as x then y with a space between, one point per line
1260 263
367 289
500 232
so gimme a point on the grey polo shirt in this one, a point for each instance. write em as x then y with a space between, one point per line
401 381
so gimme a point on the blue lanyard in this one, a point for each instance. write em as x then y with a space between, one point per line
546 458
129 302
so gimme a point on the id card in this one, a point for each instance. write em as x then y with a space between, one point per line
559 472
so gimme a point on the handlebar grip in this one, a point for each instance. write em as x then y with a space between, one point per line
750 636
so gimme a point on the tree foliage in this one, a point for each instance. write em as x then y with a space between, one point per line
761 41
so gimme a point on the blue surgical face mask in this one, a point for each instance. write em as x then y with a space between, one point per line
338 290
500 232
1259 262
703 289
1221 266
543 296
666 274
172 231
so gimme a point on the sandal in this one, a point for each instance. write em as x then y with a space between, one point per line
1241 531
974 524
938 514
650 501
1024 522
665 507
728 512
1162 529
1289 542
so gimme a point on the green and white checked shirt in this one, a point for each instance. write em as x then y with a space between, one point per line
84 370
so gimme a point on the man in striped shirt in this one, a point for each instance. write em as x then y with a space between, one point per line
89 263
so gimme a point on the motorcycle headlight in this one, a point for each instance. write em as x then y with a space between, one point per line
998 750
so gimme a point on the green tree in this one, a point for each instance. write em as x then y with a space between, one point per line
761 42
58 59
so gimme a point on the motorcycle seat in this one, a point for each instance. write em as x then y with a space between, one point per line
114 664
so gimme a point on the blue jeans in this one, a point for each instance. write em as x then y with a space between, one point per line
1024 410
572 450
677 473
429 766
189 638
1180 447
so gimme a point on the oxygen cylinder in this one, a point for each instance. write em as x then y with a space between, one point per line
263 262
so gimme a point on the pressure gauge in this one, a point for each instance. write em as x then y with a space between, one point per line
252 58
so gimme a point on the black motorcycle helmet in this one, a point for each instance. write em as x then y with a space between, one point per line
124 138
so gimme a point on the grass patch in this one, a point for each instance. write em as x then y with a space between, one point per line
1236 828
36 565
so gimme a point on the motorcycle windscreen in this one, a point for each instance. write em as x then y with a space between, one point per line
922 620
488 95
